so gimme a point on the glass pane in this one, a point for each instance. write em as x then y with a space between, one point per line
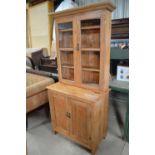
65 35
90 59
90 33
67 65
67 58
90 78
90 52
68 73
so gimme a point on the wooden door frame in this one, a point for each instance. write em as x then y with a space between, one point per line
88 16
105 47
60 21
87 106
54 119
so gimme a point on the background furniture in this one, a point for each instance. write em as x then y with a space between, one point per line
120 28
48 64
123 87
120 34
35 54
36 93
118 55
36 82
38 62
79 102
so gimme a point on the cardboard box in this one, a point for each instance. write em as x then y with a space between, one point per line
123 73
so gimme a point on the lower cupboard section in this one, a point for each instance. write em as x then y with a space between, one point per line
82 121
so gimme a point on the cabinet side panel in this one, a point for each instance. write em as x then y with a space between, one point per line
105 50
57 51
96 124
51 110
105 113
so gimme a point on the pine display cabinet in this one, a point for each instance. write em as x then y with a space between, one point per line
79 101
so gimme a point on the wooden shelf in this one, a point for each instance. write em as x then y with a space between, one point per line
91 69
65 30
66 49
67 66
90 27
91 49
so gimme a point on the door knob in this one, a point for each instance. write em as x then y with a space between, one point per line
68 115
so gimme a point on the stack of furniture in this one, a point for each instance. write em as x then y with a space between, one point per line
48 64
120 28
120 34
120 31
38 62
79 101
36 81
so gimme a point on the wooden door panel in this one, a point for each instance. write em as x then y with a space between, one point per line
66 43
60 109
80 120
89 40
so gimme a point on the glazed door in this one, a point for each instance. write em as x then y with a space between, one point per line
81 121
90 49
65 34
61 122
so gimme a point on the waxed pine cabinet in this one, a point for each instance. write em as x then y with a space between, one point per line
79 101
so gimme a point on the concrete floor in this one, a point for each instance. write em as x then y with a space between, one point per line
42 141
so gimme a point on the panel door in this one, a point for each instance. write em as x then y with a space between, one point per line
81 121
90 49
65 35
60 113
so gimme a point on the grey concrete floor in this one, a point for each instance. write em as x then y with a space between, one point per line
42 141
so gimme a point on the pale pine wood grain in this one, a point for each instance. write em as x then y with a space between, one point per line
80 100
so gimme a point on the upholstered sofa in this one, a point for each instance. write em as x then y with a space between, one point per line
36 93
36 80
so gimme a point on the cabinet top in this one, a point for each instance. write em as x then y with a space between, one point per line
75 92
92 7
